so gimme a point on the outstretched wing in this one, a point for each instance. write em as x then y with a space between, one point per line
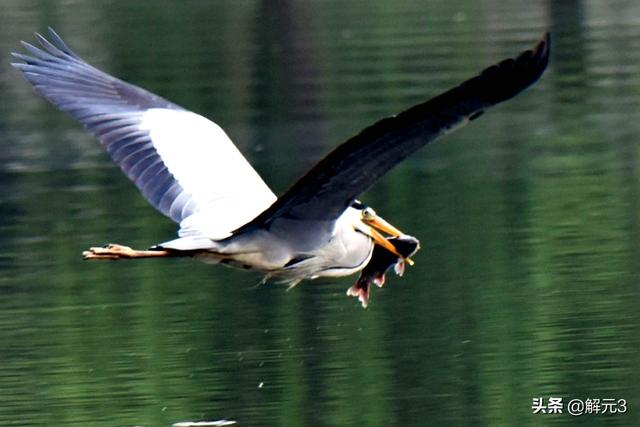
332 184
184 164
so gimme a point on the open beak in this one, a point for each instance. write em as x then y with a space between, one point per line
376 223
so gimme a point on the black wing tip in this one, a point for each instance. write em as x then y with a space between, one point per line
539 59
511 76
544 45
540 54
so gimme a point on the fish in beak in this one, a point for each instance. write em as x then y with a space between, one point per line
381 261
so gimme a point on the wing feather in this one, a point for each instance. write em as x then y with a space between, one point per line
185 165
332 185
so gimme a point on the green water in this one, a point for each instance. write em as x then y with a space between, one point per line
527 286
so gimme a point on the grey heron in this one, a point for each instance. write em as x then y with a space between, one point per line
187 168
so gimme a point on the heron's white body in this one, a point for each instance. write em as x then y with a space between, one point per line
270 251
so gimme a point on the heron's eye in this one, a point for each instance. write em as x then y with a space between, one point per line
368 213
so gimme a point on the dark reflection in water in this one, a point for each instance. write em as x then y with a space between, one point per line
527 286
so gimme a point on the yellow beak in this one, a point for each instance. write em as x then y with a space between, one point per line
376 223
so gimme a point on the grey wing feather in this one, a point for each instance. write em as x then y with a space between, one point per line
112 109
334 183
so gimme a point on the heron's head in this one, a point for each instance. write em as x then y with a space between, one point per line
374 226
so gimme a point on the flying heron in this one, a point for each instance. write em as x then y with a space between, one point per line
188 169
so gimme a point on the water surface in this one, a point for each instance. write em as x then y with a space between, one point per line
527 284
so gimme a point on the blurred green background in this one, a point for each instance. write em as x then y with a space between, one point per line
527 286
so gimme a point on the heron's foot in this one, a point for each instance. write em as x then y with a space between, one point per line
114 251
109 251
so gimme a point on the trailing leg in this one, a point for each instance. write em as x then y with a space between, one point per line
114 251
